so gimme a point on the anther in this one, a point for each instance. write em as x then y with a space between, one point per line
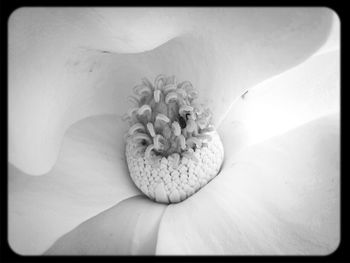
148 150
169 87
157 95
182 142
177 128
162 117
151 129
144 89
159 81
135 127
142 136
170 96
185 108
143 109
132 111
157 144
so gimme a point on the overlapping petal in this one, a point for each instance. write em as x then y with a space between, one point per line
128 228
90 176
60 70
277 197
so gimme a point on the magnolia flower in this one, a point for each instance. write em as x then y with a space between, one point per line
70 72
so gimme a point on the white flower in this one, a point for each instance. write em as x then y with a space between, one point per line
70 72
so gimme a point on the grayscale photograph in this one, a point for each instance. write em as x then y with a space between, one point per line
173 131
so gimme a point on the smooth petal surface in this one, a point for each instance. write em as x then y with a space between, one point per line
67 64
303 93
129 228
277 197
90 176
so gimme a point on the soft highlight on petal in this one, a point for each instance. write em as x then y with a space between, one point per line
129 228
277 197
62 70
299 95
89 177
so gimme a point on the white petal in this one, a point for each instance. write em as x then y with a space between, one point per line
90 176
304 93
59 71
129 228
277 197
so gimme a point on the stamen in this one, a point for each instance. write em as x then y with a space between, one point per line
191 125
185 108
148 150
147 83
142 136
202 123
157 144
170 96
187 152
159 81
157 95
182 92
176 128
182 142
151 129
143 109
138 87
132 111
162 117
193 140
144 89
185 84
169 87
135 127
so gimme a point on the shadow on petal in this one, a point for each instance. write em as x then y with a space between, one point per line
129 228
276 197
90 176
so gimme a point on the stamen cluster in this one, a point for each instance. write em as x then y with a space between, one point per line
169 126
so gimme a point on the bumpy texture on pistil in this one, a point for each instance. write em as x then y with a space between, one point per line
172 150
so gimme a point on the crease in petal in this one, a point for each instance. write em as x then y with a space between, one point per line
277 197
90 175
128 228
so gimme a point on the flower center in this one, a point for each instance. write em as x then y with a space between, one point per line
168 127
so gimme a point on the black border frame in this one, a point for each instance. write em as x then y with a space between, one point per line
6 253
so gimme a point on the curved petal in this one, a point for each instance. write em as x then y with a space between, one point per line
304 93
129 228
276 197
62 70
90 176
